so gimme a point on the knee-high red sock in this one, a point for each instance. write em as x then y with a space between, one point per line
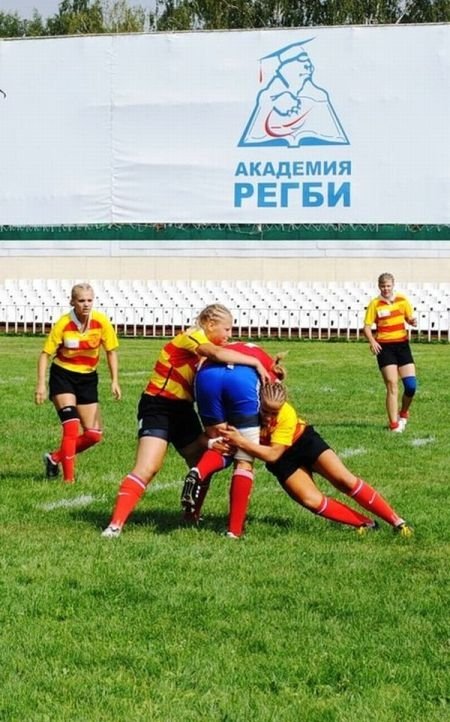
370 499
240 491
84 441
210 462
336 511
88 439
68 449
130 491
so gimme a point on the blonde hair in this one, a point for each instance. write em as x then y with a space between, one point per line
213 312
278 368
385 277
273 394
80 287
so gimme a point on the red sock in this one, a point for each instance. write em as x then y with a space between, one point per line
336 511
88 439
210 462
370 499
404 414
84 441
130 491
240 491
68 449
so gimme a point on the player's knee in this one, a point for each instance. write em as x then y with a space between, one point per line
409 385
68 413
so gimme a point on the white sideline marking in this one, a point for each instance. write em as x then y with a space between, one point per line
158 486
423 442
348 453
83 500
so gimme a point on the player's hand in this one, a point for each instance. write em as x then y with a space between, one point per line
116 391
375 348
232 435
40 395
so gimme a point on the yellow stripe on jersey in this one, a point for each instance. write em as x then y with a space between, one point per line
174 371
389 318
77 350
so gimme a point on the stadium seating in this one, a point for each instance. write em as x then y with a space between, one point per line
260 309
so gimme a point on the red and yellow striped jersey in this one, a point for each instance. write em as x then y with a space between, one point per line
389 317
76 349
174 371
284 429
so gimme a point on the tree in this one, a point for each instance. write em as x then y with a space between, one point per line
234 14
11 25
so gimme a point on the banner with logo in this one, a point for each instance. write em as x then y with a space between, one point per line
311 125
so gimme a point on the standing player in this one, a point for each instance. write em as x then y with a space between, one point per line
74 343
166 411
292 450
389 312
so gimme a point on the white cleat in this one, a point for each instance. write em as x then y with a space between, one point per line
402 423
111 532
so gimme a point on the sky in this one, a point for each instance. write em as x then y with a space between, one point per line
47 8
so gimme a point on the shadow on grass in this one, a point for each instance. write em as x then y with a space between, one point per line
163 521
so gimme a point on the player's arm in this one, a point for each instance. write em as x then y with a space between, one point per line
409 315
269 454
113 365
367 330
223 355
40 393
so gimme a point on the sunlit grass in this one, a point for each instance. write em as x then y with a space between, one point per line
301 620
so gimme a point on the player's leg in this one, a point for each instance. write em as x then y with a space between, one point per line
155 424
197 480
91 423
408 377
329 465
390 378
302 489
239 497
150 455
65 405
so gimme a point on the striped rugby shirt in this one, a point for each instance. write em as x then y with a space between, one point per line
389 318
77 350
174 371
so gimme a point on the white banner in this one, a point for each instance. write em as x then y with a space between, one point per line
313 125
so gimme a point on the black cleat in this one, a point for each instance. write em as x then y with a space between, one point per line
51 468
191 491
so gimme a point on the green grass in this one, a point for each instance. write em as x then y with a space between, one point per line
300 621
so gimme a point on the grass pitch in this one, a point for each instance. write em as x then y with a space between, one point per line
300 621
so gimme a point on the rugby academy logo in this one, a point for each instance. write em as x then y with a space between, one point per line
290 109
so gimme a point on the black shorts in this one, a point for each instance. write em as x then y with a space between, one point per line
175 421
83 386
395 354
302 454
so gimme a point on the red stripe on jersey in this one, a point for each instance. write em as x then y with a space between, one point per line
179 356
169 373
154 390
77 360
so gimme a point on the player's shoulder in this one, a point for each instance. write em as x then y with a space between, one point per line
100 317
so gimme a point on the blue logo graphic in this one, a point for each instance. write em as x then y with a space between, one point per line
291 110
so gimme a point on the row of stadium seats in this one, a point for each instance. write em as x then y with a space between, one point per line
263 308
